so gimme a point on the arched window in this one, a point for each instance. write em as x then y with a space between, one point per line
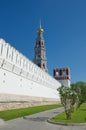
44 66
60 72
39 43
42 43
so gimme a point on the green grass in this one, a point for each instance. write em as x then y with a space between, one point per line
12 114
79 116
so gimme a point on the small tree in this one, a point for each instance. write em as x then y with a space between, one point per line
80 89
68 98
82 96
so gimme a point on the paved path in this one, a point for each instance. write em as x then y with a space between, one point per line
38 122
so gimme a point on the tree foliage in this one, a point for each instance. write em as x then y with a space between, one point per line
73 95
80 88
68 98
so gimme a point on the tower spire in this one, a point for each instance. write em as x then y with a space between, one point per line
40 29
40 24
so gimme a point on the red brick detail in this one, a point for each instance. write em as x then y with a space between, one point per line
67 71
60 72
62 78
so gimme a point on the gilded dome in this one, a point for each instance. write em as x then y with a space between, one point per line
40 30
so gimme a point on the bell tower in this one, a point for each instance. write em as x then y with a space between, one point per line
40 51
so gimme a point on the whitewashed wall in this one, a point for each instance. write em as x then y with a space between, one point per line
18 75
65 82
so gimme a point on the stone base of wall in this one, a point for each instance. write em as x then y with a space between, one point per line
11 101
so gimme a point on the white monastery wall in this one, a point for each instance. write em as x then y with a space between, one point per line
65 82
20 76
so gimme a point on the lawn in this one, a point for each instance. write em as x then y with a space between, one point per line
79 116
12 114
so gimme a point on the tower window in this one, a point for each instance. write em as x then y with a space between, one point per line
60 72
42 43
67 72
44 66
39 43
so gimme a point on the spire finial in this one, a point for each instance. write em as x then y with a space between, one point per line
40 24
40 30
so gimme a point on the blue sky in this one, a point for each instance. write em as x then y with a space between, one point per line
64 23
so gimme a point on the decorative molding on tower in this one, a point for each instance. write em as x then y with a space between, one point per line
40 51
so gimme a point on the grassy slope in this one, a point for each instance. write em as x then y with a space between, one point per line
12 114
79 116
